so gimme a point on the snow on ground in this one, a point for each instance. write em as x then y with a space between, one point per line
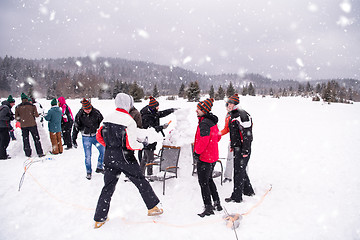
308 151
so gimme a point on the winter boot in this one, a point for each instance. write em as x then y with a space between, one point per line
99 170
99 224
88 176
230 199
155 211
207 212
217 206
227 180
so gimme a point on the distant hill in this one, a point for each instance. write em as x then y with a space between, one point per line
69 75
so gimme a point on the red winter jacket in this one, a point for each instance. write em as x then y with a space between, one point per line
206 138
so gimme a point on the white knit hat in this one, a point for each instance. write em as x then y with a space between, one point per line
124 101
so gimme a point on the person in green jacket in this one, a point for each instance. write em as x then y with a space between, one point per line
54 116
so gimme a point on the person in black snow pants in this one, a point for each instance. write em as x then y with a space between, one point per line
119 136
151 115
206 153
240 126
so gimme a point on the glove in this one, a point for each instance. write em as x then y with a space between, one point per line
75 143
196 156
165 126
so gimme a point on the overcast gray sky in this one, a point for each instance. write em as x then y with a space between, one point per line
281 39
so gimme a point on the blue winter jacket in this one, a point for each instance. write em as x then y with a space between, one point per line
54 117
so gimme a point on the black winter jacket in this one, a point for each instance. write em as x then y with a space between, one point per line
6 115
151 118
119 136
87 124
240 126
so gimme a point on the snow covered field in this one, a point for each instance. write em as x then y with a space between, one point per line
308 151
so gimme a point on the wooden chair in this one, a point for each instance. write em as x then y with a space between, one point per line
215 173
168 164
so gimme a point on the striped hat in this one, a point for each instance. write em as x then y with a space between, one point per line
206 105
86 105
153 103
234 99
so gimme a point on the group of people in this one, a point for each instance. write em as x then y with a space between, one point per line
117 139
239 124
119 136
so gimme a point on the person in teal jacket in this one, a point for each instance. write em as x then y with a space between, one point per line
54 117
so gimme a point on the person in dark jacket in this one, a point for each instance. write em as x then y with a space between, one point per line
87 121
66 122
11 100
119 136
150 116
6 116
240 126
206 153
26 113
54 117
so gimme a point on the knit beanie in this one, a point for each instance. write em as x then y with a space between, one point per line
54 102
86 105
123 101
10 99
153 103
206 105
234 99
23 96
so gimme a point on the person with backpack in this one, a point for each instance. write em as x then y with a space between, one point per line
241 137
54 116
206 153
66 122
25 113
119 136
87 121
6 116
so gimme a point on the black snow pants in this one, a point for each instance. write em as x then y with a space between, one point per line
131 169
26 141
207 184
242 183
4 142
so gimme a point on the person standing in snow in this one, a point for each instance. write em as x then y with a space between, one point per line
66 123
54 117
87 121
230 156
240 126
150 116
6 116
206 153
119 136
26 113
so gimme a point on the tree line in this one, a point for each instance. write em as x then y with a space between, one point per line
105 78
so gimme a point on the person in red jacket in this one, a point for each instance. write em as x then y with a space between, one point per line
206 153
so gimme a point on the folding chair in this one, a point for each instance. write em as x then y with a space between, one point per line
215 173
168 163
